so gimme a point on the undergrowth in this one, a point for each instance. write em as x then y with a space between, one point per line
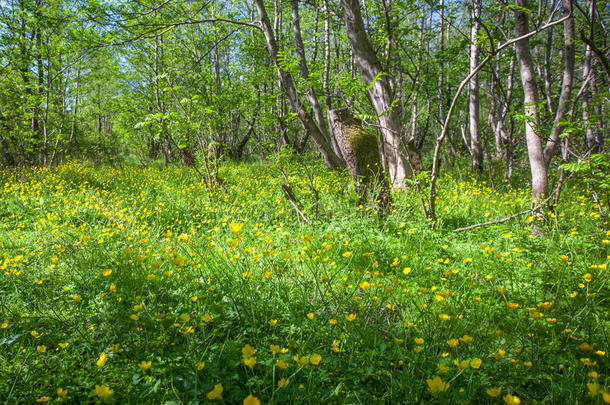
135 285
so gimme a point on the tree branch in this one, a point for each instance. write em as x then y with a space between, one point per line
445 128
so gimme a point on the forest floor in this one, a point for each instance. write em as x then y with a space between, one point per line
139 285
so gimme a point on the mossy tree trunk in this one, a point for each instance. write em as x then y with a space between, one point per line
360 149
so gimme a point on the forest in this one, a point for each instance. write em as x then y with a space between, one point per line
304 201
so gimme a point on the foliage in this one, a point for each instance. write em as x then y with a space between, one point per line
595 170
595 173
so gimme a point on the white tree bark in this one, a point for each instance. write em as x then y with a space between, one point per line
473 91
566 84
530 97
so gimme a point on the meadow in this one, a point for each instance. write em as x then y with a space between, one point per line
141 285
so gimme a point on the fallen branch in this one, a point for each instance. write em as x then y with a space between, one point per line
292 198
533 208
499 221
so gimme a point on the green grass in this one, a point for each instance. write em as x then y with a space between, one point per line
147 265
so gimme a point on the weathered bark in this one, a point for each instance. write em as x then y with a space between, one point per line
361 151
473 91
399 156
331 160
530 97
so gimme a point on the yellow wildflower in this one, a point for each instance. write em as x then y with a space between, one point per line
250 362
466 339
437 384
103 391
494 392
216 393
251 400
207 317
102 360
236 228
500 354
476 362
461 364
301 361
145 365
62 393
248 351
512 399
593 389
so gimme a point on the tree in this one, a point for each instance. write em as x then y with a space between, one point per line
400 158
473 90
322 142
539 157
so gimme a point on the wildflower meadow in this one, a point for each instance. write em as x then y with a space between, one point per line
143 286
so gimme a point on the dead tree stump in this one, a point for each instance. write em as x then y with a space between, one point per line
360 149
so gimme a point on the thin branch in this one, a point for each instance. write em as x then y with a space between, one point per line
499 221
518 214
445 128
598 52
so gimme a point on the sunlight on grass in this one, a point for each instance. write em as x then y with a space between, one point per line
140 285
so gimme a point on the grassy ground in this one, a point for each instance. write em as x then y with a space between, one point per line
139 286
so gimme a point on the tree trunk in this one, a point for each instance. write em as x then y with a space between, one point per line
567 82
530 97
359 146
400 157
331 160
441 66
473 91
326 78
593 135
300 52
